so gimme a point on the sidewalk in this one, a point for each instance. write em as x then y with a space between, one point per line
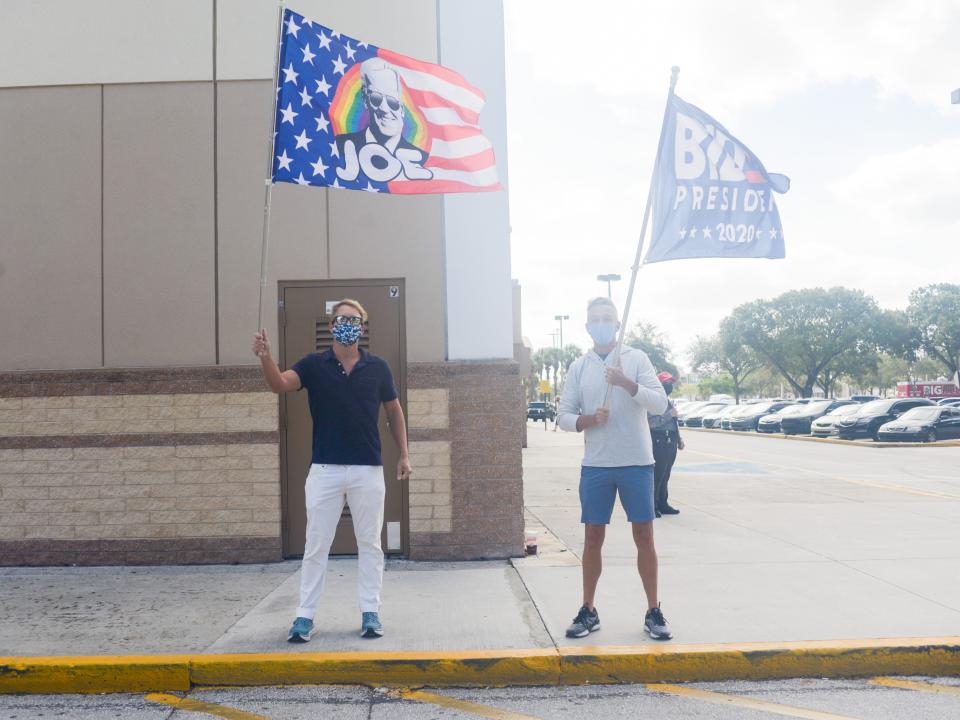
769 547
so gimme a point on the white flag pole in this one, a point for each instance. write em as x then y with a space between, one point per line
674 73
268 192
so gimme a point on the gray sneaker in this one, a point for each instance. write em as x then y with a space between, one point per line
586 622
656 625
301 630
370 626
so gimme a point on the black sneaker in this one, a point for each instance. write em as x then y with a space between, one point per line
669 510
586 622
656 625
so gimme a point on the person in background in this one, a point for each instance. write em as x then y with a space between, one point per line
665 434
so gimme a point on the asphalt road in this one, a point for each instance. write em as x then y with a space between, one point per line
914 698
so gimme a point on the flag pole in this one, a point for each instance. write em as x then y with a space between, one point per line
674 73
268 182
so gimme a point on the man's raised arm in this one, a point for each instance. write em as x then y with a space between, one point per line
279 382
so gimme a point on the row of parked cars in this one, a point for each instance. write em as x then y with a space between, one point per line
887 419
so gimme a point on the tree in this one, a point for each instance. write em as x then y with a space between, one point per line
726 353
647 337
935 312
717 385
897 335
802 332
570 353
537 365
553 359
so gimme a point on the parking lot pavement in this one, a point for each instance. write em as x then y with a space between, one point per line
775 540
863 699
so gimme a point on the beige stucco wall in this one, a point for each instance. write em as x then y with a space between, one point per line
131 211
50 228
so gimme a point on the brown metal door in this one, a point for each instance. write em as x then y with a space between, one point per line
304 328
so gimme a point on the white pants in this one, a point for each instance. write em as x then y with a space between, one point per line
327 487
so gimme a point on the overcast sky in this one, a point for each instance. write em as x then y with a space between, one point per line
850 99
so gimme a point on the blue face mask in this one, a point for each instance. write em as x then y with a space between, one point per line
602 333
347 334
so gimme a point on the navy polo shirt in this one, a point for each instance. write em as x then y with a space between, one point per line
345 408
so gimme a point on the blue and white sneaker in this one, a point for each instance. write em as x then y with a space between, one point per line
656 624
370 626
301 630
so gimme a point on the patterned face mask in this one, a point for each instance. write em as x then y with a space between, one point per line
347 334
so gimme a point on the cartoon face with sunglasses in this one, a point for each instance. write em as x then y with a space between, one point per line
379 152
381 94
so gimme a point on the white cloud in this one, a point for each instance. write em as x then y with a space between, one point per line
586 85
741 52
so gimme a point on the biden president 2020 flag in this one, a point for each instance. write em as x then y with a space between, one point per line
352 115
712 196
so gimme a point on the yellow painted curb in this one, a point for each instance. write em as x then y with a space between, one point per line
398 669
829 440
94 674
760 661
931 656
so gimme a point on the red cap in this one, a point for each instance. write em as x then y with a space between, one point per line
666 377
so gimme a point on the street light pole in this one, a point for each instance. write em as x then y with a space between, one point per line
561 318
554 336
607 279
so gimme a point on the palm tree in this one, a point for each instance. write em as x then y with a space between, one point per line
570 353
553 359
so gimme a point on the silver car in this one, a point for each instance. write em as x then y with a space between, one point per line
826 425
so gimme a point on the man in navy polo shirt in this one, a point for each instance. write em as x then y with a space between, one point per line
346 386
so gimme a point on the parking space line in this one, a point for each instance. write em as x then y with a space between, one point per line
898 488
916 685
221 711
485 711
745 702
852 481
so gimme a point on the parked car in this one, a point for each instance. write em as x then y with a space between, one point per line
540 410
799 423
949 401
867 421
771 423
695 418
923 424
827 425
864 398
750 415
729 417
713 419
690 407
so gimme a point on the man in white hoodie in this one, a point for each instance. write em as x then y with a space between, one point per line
607 396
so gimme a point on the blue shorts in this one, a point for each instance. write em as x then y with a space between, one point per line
599 487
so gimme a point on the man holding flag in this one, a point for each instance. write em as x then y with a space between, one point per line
618 456
711 197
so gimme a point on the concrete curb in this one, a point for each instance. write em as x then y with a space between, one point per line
553 666
829 441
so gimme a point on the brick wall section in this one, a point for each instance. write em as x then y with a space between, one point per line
430 503
128 467
191 412
484 434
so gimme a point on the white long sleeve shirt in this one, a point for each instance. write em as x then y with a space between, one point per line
625 439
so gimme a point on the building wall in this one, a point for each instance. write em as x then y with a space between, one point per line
174 465
133 207
133 423
477 226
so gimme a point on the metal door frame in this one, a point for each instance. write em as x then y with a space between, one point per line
282 285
